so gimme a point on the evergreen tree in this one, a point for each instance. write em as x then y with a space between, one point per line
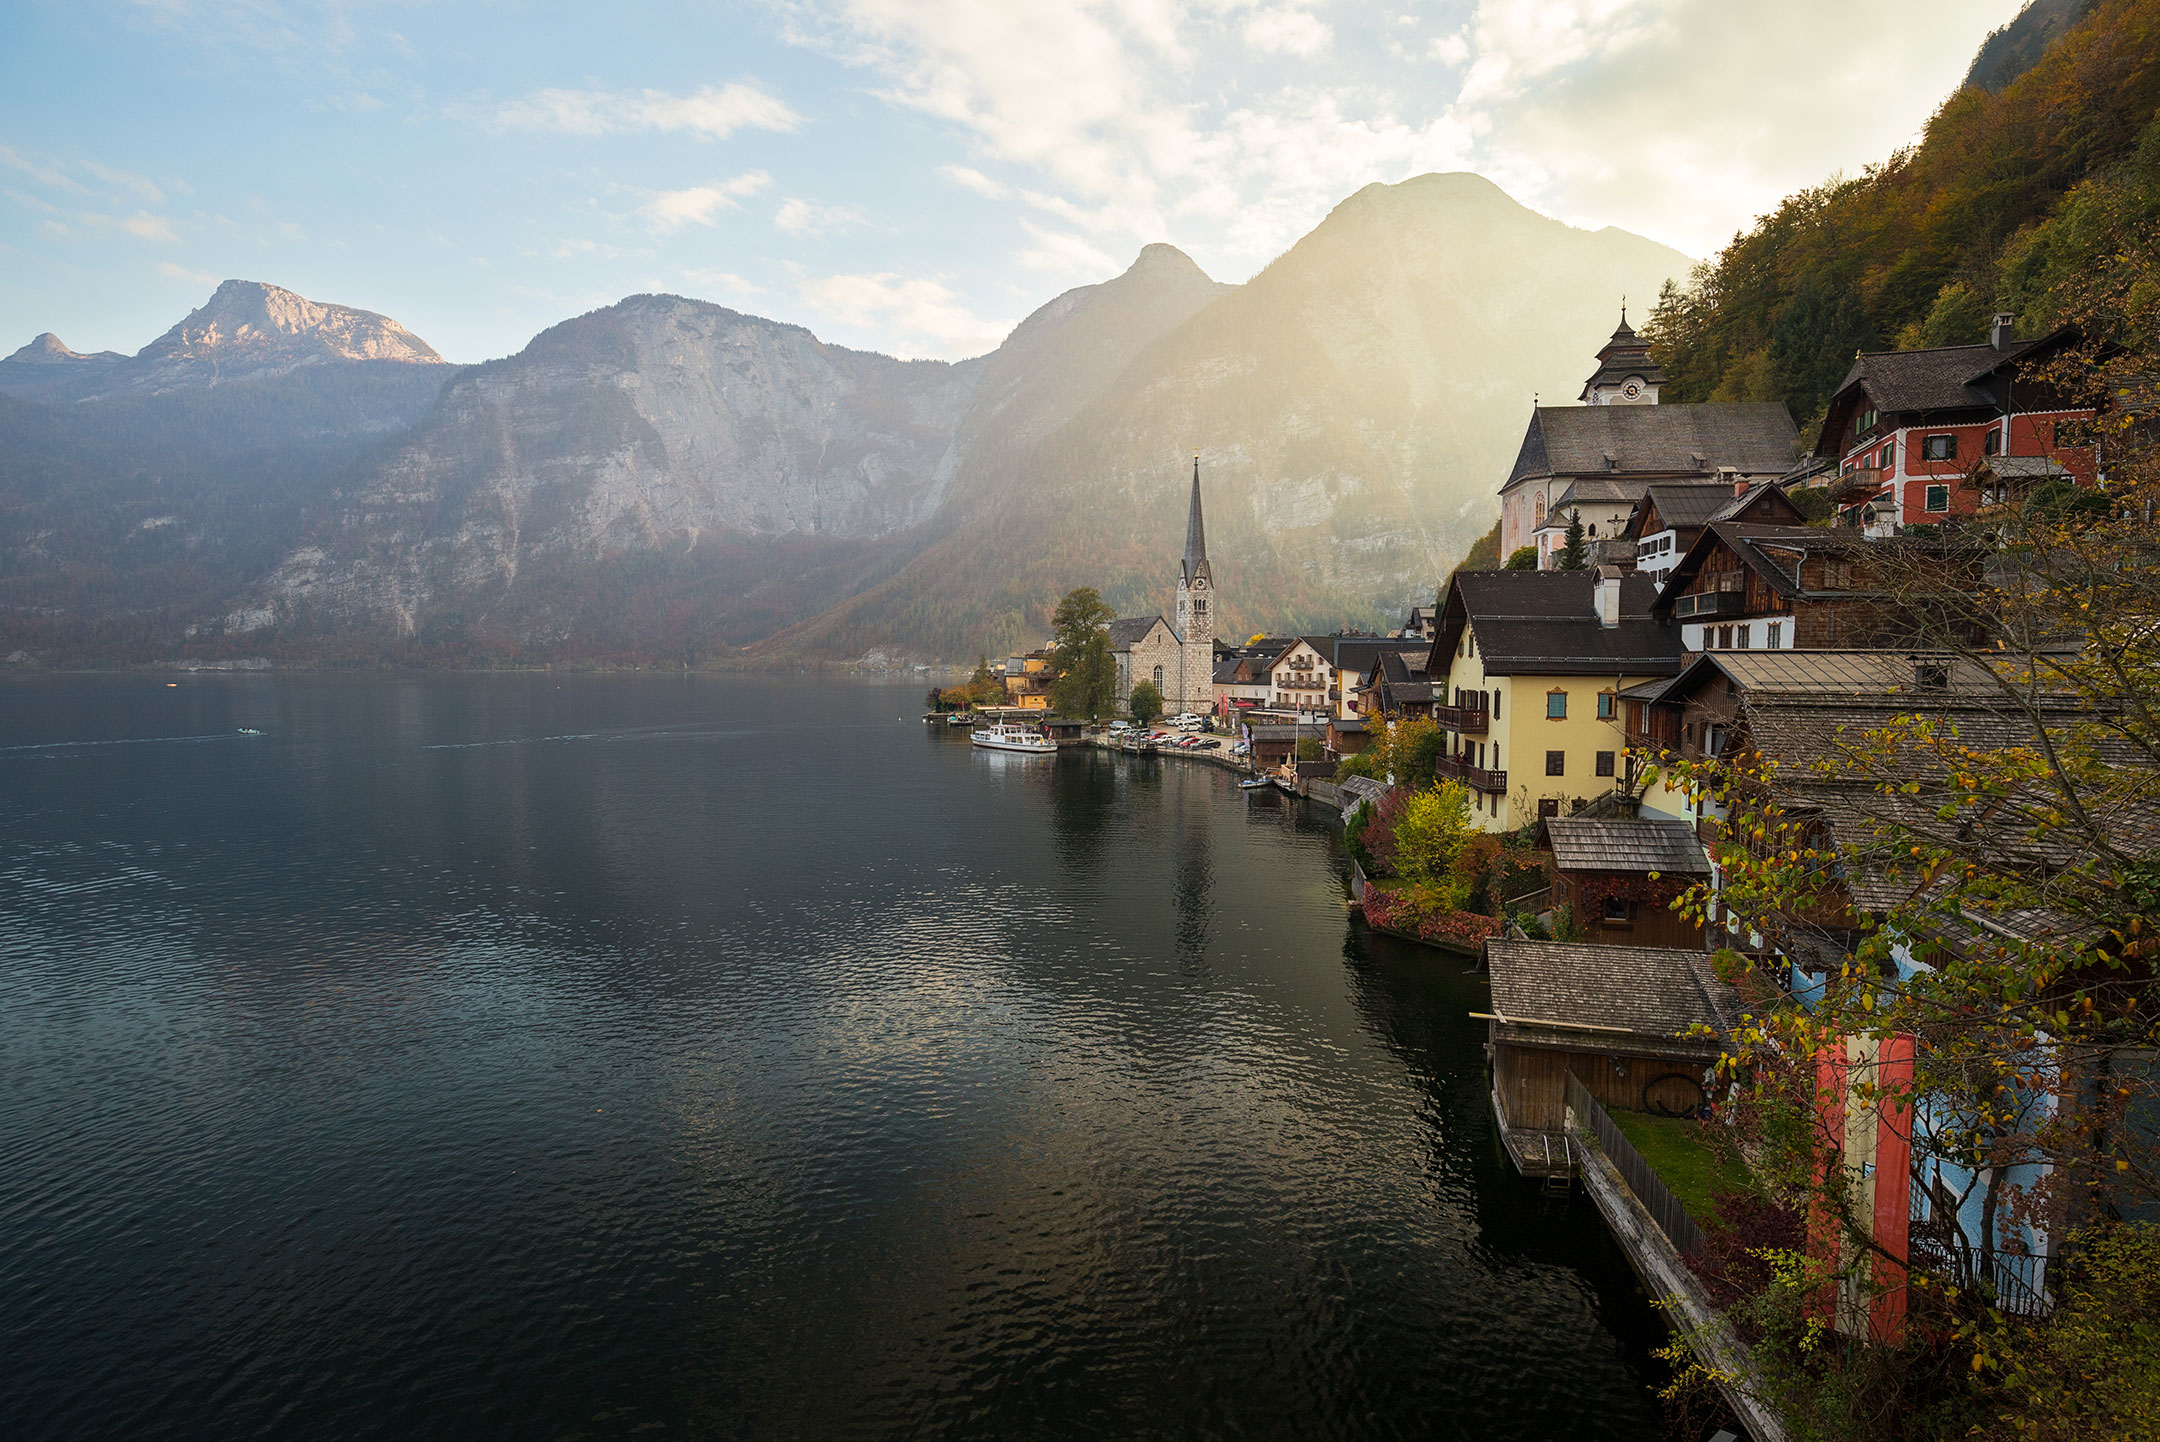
1146 702
1576 553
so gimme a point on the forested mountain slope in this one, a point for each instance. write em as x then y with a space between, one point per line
1994 209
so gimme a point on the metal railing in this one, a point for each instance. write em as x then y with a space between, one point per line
1642 1178
2017 1280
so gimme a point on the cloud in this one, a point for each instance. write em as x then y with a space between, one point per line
1287 32
1058 252
180 272
726 282
1450 49
39 171
803 217
974 180
142 187
710 114
671 210
150 227
918 308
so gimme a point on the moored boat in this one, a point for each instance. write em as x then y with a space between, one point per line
1013 738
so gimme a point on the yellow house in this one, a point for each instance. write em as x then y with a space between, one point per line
1027 681
1533 662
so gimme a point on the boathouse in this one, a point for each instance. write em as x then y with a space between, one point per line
1619 1018
1618 877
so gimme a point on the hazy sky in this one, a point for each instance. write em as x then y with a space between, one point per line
912 176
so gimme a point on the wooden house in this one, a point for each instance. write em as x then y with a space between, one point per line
1665 523
1617 878
1617 1017
1746 586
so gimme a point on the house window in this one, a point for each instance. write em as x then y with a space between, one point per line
1605 763
1608 705
1613 908
1888 456
1777 635
1556 705
1724 638
1991 443
1994 493
1938 498
1496 705
1740 637
1556 763
1548 806
1938 448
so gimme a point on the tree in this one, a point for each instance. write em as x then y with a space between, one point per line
1310 749
1522 558
1432 830
1080 656
1146 702
1575 554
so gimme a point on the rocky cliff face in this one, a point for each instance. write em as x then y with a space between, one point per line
654 426
667 478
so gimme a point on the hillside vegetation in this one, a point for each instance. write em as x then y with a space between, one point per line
2003 205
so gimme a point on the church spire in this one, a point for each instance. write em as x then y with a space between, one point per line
1195 529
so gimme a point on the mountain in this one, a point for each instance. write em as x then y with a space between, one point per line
669 479
139 494
2014 49
246 330
1355 406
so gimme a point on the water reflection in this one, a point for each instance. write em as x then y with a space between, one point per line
541 1057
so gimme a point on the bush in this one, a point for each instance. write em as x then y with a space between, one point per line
1522 558
1430 832
1146 702
1310 749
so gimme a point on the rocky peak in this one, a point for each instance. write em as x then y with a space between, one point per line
47 350
260 326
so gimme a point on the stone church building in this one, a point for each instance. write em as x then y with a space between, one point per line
1180 658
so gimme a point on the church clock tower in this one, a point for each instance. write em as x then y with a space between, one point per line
1196 612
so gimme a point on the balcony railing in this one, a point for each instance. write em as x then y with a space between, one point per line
1477 778
1865 481
1710 603
1463 720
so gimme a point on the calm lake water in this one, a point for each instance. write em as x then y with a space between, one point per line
528 1057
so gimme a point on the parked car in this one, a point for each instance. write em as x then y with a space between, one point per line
1240 748
1117 726
1211 745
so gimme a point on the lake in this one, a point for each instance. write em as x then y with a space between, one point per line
550 1057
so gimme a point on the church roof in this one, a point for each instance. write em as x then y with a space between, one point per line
1753 437
1626 354
1195 562
1128 631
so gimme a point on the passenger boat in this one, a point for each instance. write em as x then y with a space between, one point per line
1013 738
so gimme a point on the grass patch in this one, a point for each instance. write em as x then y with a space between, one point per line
1684 1159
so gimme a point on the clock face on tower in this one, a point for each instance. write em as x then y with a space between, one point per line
1632 389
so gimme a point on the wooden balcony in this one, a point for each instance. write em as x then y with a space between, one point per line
1710 603
1463 720
1477 778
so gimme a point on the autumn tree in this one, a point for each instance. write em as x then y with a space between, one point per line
1146 702
1080 655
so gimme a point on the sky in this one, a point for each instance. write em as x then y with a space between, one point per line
909 176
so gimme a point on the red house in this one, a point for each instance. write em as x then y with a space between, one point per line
1909 428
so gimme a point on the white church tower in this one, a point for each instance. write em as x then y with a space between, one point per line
1195 613
1625 374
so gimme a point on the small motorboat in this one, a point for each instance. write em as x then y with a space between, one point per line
249 731
1253 783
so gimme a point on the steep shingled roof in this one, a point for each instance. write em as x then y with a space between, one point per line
1650 991
1545 623
1755 437
1582 843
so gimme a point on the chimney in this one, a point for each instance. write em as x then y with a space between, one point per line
1607 595
1999 329
1739 482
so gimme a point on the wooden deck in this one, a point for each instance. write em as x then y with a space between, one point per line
1536 1154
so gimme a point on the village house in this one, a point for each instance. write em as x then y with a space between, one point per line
1301 679
1395 688
1351 658
1623 441
1667 520
1528 666
1616 878
1745 586
1909 428
1027 681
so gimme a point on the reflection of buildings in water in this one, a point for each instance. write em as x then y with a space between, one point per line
1083 800
1192 807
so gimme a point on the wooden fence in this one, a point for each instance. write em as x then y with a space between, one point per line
1641 1177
